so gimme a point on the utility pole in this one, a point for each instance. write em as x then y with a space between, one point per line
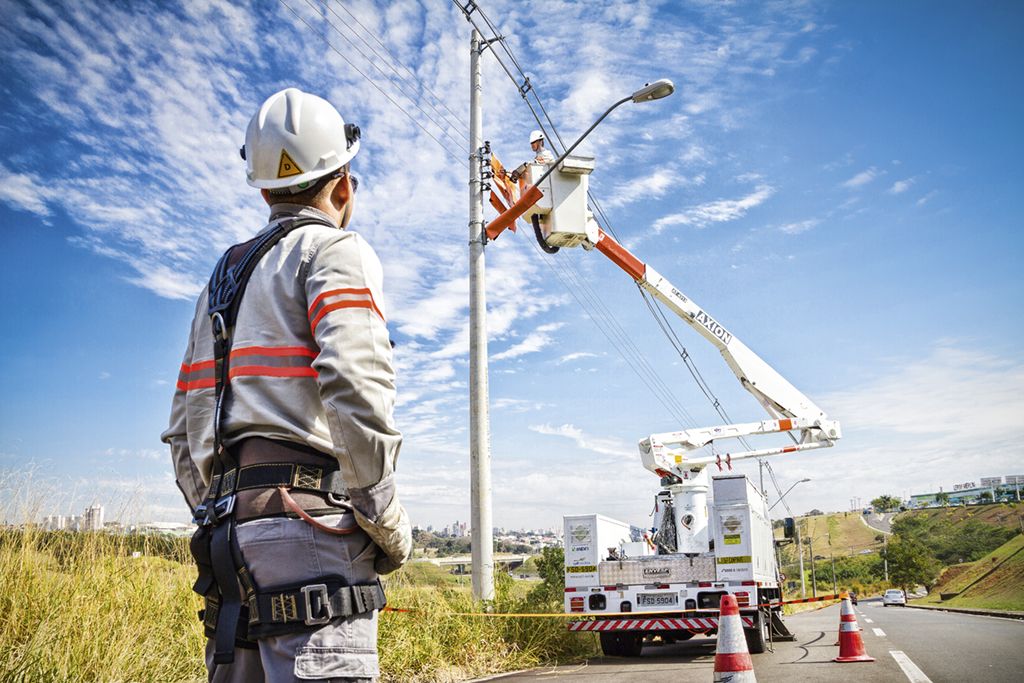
814 578
479 419
835 584
885 556
800 548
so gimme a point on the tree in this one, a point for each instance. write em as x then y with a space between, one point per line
886 503
942 498
551 568
986 497
910 564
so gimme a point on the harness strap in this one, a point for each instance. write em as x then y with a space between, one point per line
288 609
292 475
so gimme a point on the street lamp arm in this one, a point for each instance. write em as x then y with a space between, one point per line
576 144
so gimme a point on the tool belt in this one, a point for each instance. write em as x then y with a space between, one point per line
290 609
312 478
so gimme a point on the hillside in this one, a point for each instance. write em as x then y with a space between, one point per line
1006 515
996 581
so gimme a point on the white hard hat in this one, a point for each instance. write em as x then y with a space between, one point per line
536 135
294 139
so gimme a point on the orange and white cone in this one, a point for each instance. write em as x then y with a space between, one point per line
851 645
732 659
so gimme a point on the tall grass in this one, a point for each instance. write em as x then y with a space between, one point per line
78 606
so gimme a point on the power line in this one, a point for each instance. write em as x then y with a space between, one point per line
390 57
461 159
442 127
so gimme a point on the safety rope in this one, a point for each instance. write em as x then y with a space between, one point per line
585 615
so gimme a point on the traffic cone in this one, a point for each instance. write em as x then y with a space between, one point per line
732 659
851 645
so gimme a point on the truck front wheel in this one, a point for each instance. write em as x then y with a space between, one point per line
622 644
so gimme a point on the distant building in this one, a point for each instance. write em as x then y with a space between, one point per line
92 518
55 523
971 492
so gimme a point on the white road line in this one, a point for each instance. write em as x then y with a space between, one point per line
879 632
868 620
913 674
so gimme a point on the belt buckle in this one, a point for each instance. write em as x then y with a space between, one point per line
221 508
325 604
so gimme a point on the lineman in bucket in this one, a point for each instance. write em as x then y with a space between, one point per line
282 431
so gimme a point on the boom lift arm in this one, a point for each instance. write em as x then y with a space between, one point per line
790 409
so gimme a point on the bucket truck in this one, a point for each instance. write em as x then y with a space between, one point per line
700 552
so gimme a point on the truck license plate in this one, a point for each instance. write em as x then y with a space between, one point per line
656 599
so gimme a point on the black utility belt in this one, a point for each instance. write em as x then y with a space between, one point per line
297 608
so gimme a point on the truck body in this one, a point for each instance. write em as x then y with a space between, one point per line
675 596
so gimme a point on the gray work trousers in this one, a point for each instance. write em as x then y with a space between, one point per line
281 551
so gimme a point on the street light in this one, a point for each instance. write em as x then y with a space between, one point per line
799 544
787 493
650 92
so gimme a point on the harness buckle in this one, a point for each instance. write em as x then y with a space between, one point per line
221 508
325 604
199 517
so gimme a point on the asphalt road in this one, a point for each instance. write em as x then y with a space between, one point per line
879 521
944 647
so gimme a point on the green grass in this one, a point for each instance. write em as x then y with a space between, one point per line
80 607
981 587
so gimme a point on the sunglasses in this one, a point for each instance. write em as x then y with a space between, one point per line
355 182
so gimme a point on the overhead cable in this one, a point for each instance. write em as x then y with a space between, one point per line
463 160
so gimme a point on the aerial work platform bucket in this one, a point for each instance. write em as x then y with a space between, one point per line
564 217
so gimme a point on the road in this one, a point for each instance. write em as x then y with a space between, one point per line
945 647
879 521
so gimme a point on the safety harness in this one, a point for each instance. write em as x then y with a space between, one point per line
237 611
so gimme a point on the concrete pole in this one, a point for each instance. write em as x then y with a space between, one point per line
814 577
800 547
885 546
479 419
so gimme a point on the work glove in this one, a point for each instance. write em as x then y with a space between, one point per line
390 529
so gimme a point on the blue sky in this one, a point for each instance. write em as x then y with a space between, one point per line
838 183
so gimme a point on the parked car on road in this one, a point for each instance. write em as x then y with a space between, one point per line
894 596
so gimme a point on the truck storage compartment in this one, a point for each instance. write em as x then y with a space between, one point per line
656 569
744 549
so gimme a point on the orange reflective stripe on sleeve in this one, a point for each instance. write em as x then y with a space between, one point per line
320 307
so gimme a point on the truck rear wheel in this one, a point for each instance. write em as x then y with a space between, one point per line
622 644
757 637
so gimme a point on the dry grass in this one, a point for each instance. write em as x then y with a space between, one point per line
78 606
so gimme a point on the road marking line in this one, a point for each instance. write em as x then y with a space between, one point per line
912 672
879 632
868 620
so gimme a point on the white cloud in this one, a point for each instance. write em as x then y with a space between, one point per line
802 226
534 342
927 198
597 444
569 357
862 178
901 186
719 211
651 186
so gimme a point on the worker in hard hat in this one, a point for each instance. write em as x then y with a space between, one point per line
282 431
543 155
